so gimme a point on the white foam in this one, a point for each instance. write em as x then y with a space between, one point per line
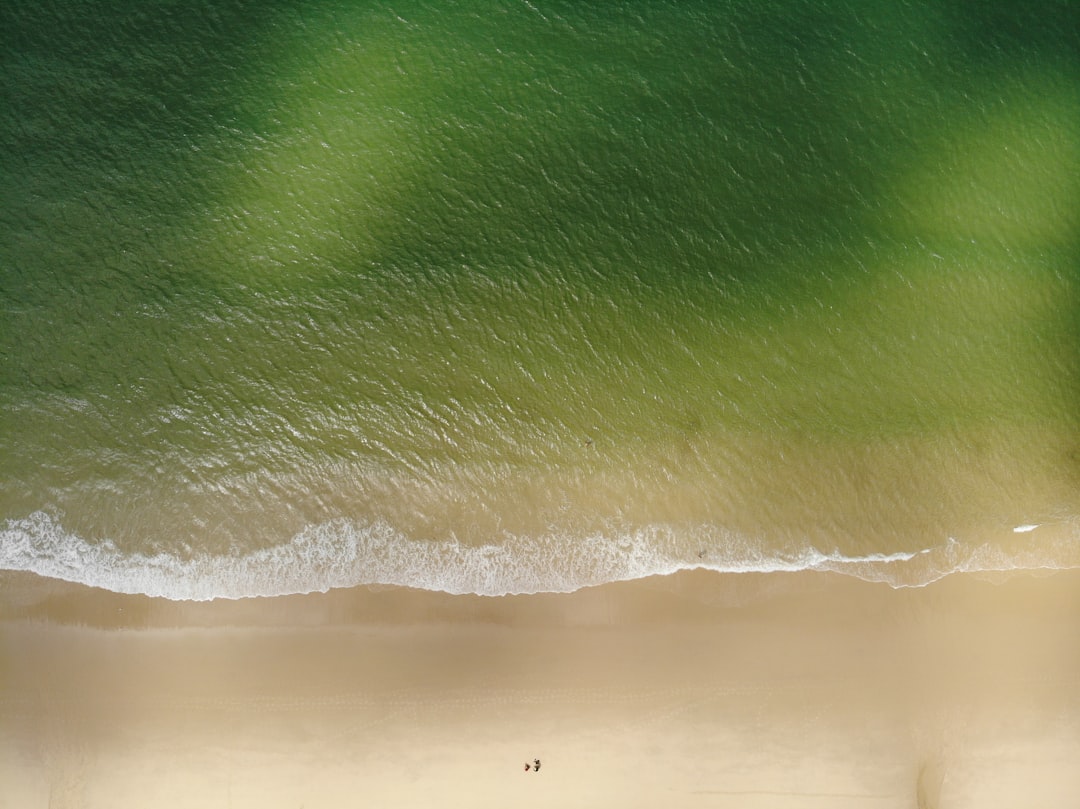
330 555
1023 529
341 554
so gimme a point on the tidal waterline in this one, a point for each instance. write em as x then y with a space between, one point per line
589 292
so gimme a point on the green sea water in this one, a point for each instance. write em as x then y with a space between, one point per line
516 296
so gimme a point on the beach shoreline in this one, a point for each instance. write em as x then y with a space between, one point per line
696 689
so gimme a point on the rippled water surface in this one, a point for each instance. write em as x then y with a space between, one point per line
509 296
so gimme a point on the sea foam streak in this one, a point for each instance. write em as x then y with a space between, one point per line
342 554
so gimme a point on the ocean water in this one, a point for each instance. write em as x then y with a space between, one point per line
502 296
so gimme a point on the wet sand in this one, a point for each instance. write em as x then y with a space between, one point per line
780 690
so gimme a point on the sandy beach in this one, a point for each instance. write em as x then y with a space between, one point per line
800 690
390 301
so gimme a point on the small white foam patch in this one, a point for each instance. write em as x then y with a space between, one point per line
1023 529
342 554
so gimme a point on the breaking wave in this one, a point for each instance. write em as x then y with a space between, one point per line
341 554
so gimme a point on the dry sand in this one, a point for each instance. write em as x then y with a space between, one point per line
695 690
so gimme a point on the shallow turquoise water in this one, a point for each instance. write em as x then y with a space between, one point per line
509 296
